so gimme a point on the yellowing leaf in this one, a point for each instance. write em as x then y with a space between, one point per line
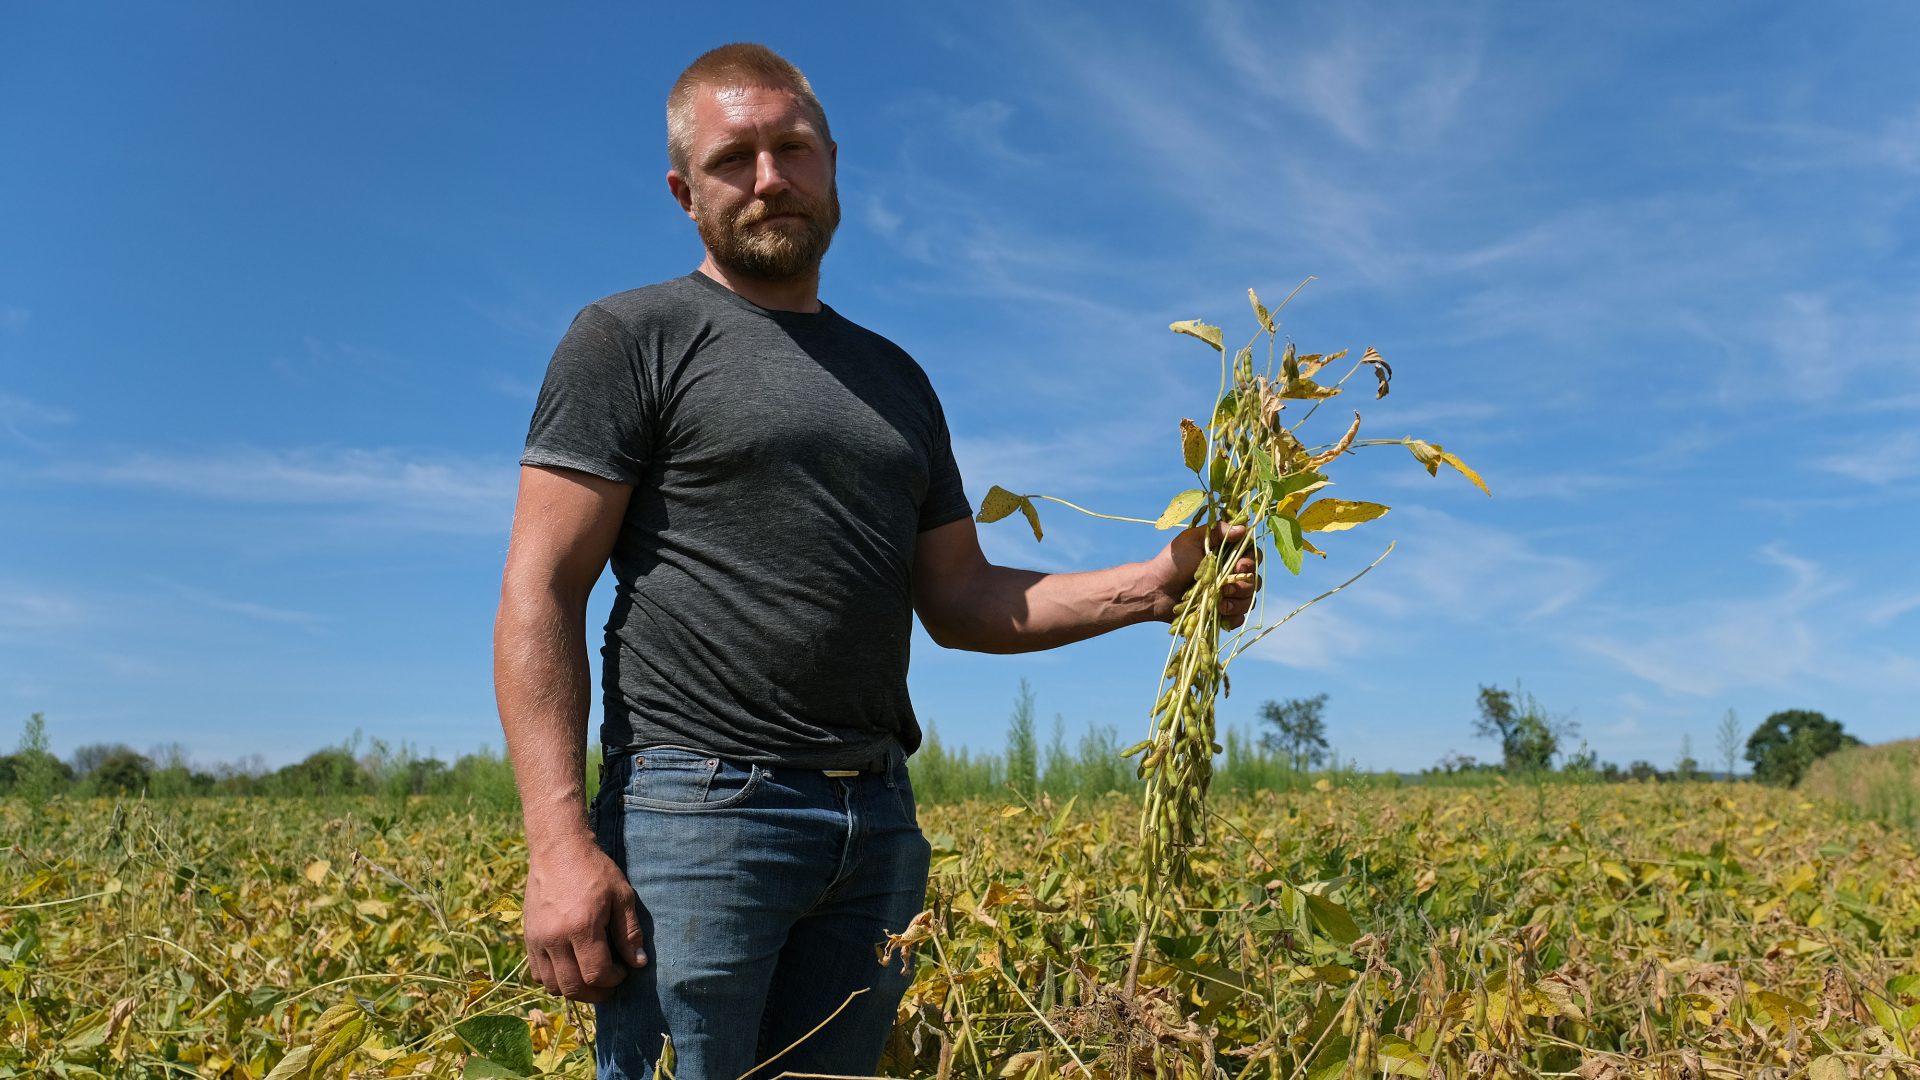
1000 502
1828 1067
317 870
1198 329
1464 471
1313 362
1433 456
1180 509
1306 389
1334 515
1260 312
1193 445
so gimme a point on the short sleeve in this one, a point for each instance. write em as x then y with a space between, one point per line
946 500
594 413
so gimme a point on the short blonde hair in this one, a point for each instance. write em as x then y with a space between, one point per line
738 64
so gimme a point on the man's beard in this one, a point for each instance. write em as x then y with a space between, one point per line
778 252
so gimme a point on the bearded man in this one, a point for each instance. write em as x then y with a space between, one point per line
775 489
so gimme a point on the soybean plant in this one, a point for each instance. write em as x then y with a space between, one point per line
1254 468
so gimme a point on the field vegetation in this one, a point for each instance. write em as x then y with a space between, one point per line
1465 925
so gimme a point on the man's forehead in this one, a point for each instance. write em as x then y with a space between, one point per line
723 110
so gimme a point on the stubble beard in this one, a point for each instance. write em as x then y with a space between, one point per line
783 251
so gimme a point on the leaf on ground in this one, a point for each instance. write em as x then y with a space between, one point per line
1180 509
1334 515
1196 328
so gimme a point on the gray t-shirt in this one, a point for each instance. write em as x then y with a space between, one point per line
783 466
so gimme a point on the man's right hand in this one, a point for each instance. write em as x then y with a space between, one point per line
582 922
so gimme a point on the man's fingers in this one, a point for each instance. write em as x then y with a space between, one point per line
628 938
599 968
539 970
566 980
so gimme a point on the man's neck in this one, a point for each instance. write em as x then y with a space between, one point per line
800 294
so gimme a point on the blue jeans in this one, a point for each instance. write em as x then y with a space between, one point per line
763 892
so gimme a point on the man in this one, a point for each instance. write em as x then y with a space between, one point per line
775 489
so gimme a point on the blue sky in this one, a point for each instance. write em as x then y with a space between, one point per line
277 288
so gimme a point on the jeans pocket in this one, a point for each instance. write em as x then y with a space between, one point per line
683 780
903 790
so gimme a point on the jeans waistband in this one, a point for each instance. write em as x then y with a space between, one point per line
879 761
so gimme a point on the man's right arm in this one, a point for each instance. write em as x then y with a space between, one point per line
581 918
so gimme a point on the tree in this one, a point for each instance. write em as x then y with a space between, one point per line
1729 735
326 772
1299 730
35 771
1686 768
1023 748
88 758
1529 735
122 773
1788 742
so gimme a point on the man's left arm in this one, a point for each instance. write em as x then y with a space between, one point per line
966 602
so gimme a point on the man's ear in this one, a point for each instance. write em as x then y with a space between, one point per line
682 192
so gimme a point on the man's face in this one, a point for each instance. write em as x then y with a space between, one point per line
759 183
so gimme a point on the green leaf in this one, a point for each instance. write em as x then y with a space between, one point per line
1334 515
1000 502
1193 445
1196 328
1287 540
1332 1062
1180 509
344 1041
479 1068
504 1040
1398 1057
294 1066
1332 919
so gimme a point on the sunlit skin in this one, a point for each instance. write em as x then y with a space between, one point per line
751 146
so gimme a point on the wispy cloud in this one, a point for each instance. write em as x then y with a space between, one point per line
1879 459
18 416
29 608
1706 647
246 609
421 492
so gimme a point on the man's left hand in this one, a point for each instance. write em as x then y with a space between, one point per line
1172 573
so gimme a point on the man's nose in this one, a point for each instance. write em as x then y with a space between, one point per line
767 177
